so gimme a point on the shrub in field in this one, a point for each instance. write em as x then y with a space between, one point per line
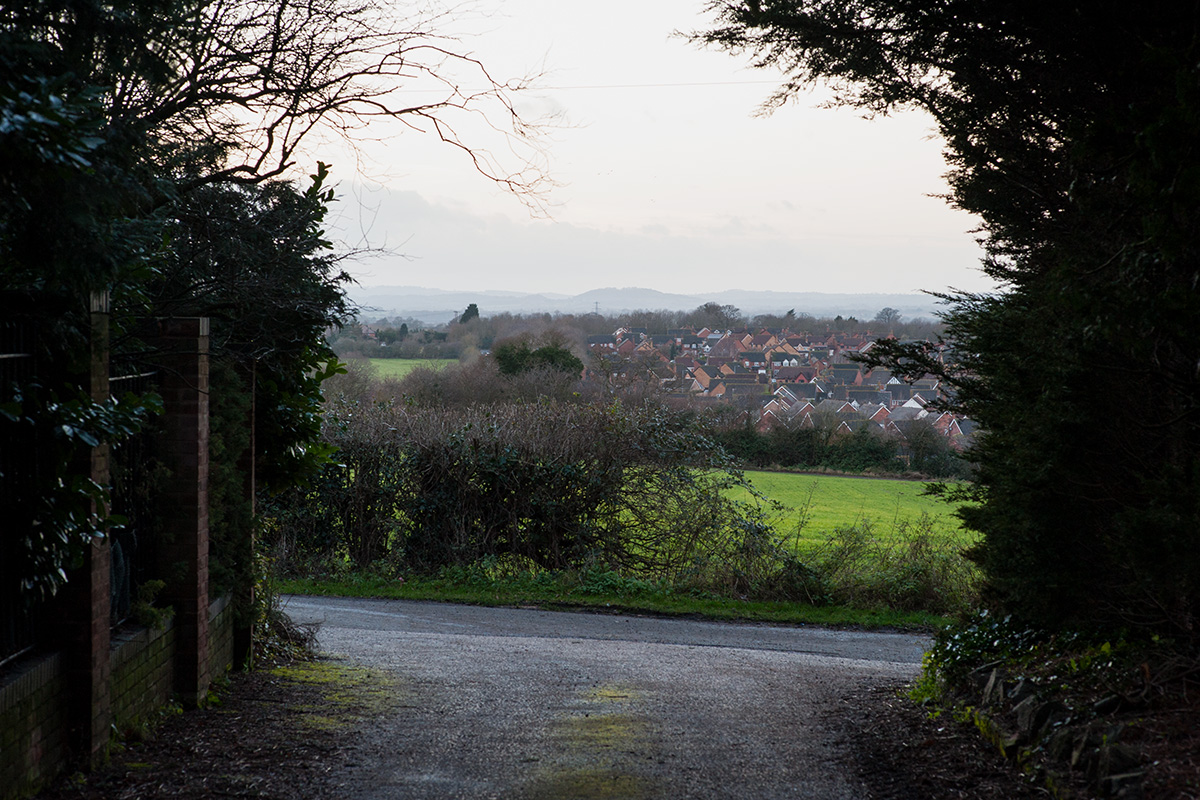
516 356
752 561
862 451
915 568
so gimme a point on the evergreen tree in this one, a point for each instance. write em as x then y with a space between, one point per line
471 313
1071 132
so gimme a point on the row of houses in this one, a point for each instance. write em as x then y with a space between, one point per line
789 408
779 376
727 346
727 363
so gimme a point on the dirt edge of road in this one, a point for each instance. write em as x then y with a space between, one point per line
286 733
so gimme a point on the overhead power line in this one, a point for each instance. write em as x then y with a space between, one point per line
536 89
651 85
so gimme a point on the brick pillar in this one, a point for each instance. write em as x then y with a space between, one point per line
84 604
243 631
183 553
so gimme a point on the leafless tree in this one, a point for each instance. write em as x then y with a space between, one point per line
241 84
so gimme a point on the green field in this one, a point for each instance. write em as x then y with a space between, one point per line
399 367
834 501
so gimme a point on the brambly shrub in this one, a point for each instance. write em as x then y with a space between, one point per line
348 509
913 568
640 490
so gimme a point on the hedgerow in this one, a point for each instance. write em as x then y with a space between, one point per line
638 489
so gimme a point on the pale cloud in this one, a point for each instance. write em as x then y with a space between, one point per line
668 179
449 248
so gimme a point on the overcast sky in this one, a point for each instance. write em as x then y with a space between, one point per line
667 177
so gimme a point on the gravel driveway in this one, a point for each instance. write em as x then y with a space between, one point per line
521 703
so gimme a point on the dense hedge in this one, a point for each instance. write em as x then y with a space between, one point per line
863 450
558 485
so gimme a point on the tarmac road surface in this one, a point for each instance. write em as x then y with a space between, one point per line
530 704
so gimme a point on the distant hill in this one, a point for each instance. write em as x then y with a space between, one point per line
434 306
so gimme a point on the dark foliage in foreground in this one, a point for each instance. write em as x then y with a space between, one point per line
1071 132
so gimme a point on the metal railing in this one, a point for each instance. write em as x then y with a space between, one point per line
20 468
135 473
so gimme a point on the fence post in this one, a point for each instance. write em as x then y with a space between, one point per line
183 554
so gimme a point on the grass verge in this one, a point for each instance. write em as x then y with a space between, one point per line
606 592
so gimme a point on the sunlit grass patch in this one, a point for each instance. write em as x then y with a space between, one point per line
400 367
349 693
818 505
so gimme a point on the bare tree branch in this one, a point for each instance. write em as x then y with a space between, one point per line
249 81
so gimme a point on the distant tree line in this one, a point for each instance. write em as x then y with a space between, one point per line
473 332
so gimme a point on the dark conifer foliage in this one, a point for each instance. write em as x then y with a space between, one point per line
1071 131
